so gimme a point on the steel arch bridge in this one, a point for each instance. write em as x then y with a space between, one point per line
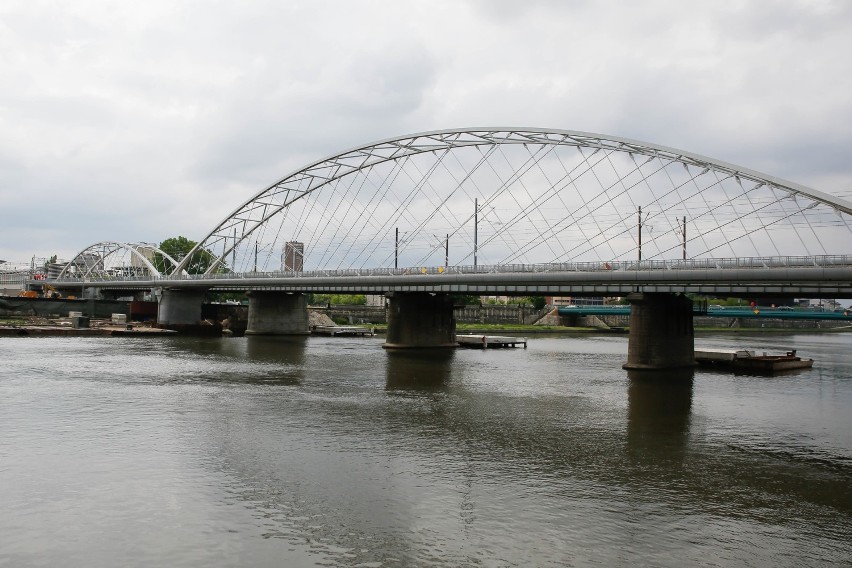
501 196
112 260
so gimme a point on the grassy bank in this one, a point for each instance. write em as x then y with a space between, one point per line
520 328
517 329
773 329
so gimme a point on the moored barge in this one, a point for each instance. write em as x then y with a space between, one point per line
745 361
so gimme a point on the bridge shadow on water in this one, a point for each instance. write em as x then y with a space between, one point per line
420 369
259 360
289 349
659 406
286 355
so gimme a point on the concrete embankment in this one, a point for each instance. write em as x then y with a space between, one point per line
47 307
67 330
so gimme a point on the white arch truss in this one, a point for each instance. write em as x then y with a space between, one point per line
521 195
117 260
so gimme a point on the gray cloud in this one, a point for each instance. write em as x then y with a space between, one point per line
143 121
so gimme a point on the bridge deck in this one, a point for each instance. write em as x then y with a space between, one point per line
812 277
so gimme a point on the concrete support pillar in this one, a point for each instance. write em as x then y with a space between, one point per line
661 332
420 319
180 309
277 313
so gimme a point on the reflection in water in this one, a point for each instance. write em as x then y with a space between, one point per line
289 349
658 412
421 369
286 352
550 456
251 360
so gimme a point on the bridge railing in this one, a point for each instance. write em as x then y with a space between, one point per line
824 261
15 278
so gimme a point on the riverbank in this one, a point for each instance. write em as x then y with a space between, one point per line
778 330
61 327
42 326
517 329
533 329
530 329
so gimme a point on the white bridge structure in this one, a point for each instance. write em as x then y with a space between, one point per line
524 211
119 261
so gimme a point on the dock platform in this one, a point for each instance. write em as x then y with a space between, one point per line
343 330
490 341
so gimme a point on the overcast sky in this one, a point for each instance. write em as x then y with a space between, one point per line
139 121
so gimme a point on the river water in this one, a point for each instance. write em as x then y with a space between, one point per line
333 452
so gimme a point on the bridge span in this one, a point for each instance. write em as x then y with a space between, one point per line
421 313
825 276
508 211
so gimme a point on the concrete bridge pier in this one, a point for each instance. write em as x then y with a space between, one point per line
420 319
277 313
180 310
661 332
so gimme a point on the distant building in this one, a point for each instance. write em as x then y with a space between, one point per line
82 264
293 257
13 278
147 253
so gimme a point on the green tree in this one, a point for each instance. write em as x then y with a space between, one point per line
465 300
339 299
178 248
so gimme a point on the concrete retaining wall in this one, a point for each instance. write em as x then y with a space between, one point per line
463 314
758 323
46 307
354 315
499 314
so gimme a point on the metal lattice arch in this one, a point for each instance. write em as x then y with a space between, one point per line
497 196
116 260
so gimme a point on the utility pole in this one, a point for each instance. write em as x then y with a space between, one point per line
475 229
640 233
446 248
683 233
396 249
